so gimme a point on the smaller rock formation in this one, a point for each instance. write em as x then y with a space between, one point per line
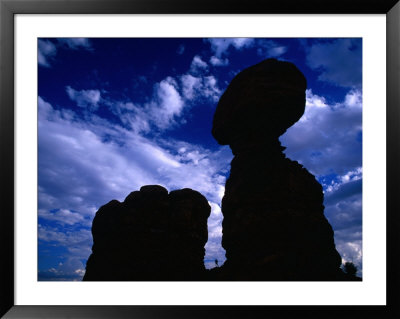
152 235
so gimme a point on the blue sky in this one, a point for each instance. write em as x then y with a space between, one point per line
116 114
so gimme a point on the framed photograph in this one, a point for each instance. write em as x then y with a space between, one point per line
100 98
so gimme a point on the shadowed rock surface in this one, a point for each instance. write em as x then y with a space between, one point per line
274 226
152 235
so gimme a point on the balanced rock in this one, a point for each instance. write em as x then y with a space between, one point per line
152 235
274 226
259 105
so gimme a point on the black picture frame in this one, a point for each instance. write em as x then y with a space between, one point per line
9 8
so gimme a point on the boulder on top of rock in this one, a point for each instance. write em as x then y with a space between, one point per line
261 102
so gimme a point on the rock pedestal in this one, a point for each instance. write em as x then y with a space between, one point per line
152 235
274 226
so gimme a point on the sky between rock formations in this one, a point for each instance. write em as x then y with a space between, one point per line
116 114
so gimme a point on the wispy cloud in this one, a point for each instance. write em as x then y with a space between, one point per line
200 87
171 98
46 52
64 217
98 161
84 98
349 243
327 139
198 65
167 103
76 244
338 61
75 43
47 49
220 46
218 61
181 49
163 111
270 48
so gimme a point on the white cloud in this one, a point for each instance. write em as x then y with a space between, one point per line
44 109
200 87
46 51
215 61
339 61
313 100
75 43
164 110
198 65
167 103
277 51
64 217
181 49
269 48
170 98
137 120
77 243
220 46
350 176
346 210
353 99
190 84
210 88
84 98
133 116
199 169
353 175
343 209
327 139
93 172
65 238
351 249
98 161
72 269
240 43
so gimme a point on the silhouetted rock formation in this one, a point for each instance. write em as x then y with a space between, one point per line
274 227
152 235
